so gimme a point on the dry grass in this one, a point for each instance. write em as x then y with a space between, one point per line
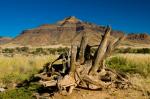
137 58
18 68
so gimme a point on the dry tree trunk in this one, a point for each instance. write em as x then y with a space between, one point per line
100 52
84 42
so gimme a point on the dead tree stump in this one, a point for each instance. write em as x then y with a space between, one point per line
86 70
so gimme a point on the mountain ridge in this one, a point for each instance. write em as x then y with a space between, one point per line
64 32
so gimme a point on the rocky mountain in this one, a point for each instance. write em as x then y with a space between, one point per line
4 40
63 32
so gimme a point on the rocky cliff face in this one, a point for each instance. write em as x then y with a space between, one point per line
63 32
138 36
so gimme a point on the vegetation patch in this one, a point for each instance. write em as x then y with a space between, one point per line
131 63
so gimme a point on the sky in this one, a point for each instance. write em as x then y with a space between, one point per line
130 16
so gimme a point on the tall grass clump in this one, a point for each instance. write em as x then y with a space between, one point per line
131 63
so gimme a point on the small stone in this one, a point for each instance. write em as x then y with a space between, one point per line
83 95
2 89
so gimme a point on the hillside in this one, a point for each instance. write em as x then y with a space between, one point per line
62 32
4 40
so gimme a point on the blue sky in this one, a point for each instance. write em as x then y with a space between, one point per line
126 15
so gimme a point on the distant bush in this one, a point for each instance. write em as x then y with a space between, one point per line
7 50
52 51
22 49
61 50
133 50
57 50
39 51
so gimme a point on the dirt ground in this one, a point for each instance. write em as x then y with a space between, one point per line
107 94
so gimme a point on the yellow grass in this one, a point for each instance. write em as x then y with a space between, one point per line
137 58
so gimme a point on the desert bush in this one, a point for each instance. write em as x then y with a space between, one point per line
52 51
22 49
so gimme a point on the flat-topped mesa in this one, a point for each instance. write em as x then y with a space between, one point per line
71 20
62 32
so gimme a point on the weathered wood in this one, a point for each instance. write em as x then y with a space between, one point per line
83 45
94 81
100 51
64 63
69 56
117 42
49 83
73 58
106 54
